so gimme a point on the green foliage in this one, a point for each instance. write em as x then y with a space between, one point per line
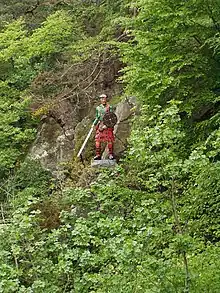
11 9
54 35
151 224
130 231
31 174
15 130
29 179
171 54
23 56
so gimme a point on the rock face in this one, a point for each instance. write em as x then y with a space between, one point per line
59 139
53 146
124 111
65 98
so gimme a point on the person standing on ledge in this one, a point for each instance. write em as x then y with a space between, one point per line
103 133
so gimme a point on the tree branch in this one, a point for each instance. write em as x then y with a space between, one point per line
31 10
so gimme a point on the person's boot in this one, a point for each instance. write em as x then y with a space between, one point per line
98 152
110 151
111 157
97 157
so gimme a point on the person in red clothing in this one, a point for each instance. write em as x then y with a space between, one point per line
103 133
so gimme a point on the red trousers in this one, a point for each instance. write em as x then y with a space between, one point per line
107 136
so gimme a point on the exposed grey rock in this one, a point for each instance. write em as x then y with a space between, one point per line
52 146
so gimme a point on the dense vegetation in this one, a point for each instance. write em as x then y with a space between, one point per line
151 224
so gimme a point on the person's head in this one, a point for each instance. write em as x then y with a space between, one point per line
103 99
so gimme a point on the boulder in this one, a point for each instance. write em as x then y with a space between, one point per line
53 146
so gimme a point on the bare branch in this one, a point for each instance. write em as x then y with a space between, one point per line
31 10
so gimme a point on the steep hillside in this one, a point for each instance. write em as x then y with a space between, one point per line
151 224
